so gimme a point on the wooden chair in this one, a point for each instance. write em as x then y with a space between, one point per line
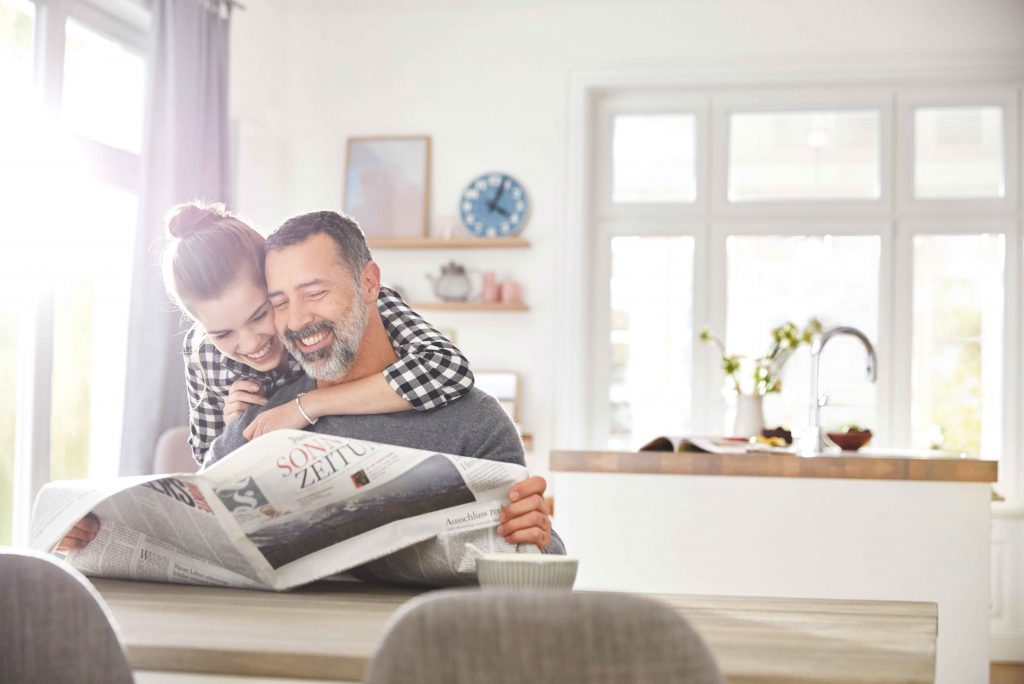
56 627
464 636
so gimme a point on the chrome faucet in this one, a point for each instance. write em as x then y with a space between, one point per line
812 441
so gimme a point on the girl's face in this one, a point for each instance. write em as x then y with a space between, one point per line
240 323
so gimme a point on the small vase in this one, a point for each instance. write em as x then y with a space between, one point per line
749 415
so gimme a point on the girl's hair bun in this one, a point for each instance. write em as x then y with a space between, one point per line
185 220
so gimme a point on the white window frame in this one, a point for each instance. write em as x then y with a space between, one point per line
795 101
910 100
126 23
590 225
651 103
601 318
902 326
803 228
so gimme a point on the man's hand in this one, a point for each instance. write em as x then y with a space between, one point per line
242 395
526 519
280 417
81 534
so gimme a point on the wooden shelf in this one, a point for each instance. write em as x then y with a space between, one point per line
450 243
467 306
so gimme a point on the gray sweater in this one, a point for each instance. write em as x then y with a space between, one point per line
475 425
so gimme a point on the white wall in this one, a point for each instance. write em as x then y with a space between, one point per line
488 80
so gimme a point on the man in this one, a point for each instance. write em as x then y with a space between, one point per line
322 283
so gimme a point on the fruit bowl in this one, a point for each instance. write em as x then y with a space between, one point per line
850 440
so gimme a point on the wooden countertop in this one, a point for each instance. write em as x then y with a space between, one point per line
330 630
761 464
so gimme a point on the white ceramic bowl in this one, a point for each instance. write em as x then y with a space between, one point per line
526 570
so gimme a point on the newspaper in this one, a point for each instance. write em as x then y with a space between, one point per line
286 509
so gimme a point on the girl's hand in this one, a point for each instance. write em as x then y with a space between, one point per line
81 534
242 395
283 417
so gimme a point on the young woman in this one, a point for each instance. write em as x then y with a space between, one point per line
213 269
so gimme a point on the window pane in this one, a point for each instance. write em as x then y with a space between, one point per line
958 153
833 278
815 155
958 343
17 21
654 158
8 398
103 89
651 339
90 329
16 63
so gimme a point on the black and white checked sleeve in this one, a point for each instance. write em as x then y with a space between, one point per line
207 383
430 371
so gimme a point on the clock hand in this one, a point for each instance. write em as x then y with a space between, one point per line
501 211
497 196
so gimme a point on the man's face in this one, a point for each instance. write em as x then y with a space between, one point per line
319 310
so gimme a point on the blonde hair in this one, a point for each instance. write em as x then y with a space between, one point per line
209 250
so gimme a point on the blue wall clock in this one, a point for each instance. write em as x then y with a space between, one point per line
494 205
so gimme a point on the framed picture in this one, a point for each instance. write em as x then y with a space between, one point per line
503 386
387 185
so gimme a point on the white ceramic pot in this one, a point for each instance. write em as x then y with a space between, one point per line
749 415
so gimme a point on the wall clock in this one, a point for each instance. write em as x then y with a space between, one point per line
494 205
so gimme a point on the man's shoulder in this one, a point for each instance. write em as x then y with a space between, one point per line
286 393
475 401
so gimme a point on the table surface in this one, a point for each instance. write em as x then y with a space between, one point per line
329 630
763 464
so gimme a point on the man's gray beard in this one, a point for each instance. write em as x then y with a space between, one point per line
335 361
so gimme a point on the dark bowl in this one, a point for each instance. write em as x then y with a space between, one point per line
850 441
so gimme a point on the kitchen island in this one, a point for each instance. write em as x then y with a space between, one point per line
880 527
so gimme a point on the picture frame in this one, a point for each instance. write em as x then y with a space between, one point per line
387 185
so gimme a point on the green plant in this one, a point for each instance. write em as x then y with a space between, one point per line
766 372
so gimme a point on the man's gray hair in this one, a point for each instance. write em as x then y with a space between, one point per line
347 235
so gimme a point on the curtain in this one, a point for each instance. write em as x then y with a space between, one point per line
185 157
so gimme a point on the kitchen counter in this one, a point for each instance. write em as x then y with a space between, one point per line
877 466
885 526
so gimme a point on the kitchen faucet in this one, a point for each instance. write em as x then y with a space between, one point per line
812 442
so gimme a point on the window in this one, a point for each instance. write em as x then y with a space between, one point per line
804 203
958 343
654 158
103 89
958 153
78 126
17 25
774 279
651 338
813 155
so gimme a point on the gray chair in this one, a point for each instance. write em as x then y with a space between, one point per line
173 453
465 636
56 628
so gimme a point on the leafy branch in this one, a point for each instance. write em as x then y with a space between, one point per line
766 373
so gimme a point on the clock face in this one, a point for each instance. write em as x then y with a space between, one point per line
494 205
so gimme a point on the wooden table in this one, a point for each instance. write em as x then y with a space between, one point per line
330 630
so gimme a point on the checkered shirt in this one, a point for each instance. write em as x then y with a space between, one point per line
429 372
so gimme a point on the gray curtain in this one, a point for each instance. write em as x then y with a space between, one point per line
185 157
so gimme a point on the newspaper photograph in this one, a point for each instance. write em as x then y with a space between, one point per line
286 509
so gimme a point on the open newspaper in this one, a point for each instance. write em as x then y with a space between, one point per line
289 508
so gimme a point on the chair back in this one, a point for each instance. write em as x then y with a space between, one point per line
56 627
465 636
173 453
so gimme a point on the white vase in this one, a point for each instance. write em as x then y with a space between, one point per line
749 415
